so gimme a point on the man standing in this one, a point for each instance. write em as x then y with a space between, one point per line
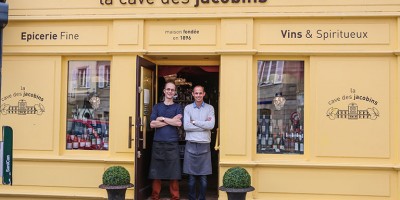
165 162
198 120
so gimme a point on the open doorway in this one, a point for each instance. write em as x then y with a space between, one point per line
186 77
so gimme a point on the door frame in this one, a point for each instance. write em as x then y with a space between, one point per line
142 185
144 62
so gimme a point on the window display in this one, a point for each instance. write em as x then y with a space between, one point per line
88 105
280 107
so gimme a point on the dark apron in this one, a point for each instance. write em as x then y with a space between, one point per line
197 160
165 161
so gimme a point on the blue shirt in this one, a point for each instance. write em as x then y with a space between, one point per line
166 133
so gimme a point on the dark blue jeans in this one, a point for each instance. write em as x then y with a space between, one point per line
192 186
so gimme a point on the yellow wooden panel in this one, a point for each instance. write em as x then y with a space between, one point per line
51 193
396 110
233 92
126 32
398 35
58 174
28 101
122 104
352 107
324 181
235 33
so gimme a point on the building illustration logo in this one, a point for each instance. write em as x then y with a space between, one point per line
22 108
352 113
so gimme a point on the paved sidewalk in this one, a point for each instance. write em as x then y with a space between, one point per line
212 190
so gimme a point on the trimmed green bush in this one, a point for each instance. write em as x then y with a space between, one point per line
236 177
116 175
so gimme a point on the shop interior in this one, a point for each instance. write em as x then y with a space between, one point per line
185 78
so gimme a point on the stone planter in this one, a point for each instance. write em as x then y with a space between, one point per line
116 192
236 193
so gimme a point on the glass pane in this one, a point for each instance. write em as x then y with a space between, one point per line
88 105
280 107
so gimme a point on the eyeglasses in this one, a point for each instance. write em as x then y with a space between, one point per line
169 90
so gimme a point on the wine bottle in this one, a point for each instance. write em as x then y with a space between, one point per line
264 125
286 140
291 139
94 146
282 141
69 142
263 142
270 138
75 143
258 136
296 142
301 140
82 142
105 140
264 132
98 143
275 141
105 144
88 143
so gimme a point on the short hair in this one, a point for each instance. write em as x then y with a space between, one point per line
199 86
172 82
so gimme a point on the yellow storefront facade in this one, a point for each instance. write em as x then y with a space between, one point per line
79 78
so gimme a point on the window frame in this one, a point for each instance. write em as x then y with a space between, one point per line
65 96
305 93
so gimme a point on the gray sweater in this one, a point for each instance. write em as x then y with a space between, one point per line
204 118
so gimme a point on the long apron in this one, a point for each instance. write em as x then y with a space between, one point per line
165 161
197 159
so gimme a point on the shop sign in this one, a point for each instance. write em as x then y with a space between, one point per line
53 35
182 34
195 3
24 105
353 111
324 34
6 155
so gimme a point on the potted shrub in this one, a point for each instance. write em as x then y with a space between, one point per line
116 180
236 183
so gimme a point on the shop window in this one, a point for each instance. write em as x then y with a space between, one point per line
88 105
280 107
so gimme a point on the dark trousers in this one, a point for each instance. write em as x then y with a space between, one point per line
173 189
192 179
